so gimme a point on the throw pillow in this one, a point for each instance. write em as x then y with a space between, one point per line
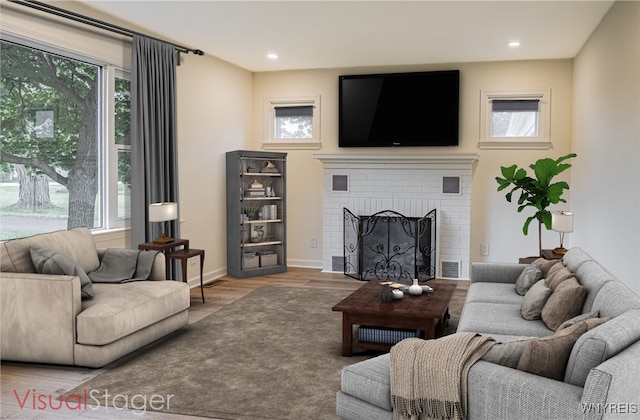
579 318
506 354
534 300
599 344
557 274
47 261
564 303
548 356
545 265
529 276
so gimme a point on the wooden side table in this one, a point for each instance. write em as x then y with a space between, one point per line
165 248
547 254
183 255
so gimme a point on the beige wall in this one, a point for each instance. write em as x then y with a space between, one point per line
494 221
214 102
606 121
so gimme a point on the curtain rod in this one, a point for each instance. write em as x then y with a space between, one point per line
43 7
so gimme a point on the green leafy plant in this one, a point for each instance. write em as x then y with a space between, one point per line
538 191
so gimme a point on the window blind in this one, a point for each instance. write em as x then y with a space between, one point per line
514 105
294 111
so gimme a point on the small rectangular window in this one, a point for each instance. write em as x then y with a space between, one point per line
515 119
292 123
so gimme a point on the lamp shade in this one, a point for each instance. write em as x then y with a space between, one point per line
562 221
162 212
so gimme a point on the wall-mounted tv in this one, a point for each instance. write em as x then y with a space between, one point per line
399 109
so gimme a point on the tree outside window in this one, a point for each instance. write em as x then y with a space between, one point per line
52 142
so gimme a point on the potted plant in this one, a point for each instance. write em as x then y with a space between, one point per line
538 191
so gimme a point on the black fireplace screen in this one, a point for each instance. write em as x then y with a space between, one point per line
389 246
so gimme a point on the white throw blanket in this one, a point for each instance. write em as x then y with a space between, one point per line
429 377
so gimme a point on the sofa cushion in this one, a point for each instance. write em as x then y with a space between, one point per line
557 274
614 299
600 344
574 258
506 354
579 318
529 276
369 381
47 261
534 300
545 265
548 356
118 310
493 292
77 243
499 319
564 303
592 276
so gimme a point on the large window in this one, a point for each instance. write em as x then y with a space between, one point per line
65 140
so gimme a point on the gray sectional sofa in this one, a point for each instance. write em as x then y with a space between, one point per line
50 318
602 377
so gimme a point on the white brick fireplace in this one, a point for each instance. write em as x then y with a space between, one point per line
411 185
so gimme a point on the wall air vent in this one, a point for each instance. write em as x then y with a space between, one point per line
450 269
451 185
337 264
340 183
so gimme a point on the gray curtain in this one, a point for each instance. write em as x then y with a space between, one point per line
154 162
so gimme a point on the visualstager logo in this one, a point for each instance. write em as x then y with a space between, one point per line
92 399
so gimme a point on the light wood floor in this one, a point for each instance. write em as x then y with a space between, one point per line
45 380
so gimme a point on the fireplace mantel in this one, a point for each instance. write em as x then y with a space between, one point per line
397 159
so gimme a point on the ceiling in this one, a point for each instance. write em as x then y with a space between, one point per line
335 34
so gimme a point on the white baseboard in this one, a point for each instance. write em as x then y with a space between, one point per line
304 263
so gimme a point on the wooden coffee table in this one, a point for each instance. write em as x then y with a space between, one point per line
428 313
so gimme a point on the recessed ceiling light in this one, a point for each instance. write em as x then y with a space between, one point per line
272 56
514 44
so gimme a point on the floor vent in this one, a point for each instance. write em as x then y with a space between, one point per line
450 269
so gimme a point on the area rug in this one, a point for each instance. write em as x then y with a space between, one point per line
274 354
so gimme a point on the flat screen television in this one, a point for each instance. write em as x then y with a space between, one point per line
399 109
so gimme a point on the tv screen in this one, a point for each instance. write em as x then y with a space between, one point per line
399 109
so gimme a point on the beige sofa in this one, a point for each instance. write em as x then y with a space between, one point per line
45 320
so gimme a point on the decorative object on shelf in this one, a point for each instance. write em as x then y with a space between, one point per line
415 289
386 293
256 189
249 212
269 168
268 189
258 232
561 222
537 192
397 294
163 212
269 212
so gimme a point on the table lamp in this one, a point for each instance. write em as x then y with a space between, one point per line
562 222
163 212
